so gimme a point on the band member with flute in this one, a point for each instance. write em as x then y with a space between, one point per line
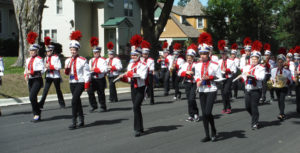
177 63
253 75
281 78
187 71
228 68
77 68
136 74
34 68
98 68
52 74
235 85
205 73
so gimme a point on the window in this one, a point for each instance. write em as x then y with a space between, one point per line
54 35
200 23
128 8
59 8
184 21
1 21
110 3
46 33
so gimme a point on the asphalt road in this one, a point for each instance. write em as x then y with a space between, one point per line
165 127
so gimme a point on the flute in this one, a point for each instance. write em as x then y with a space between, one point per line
241 75
121 75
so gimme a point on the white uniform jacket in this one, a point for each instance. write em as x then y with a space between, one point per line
255 82
178 63
214 58
137 73
285 72
79 70
244 62
116 66
210 69
150 64
237 62
228 67
34 66
100 67
54 66
187 67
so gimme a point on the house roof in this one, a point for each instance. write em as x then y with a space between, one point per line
192 8
188 30
116 21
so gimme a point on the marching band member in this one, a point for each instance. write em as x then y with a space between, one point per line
166 63
228 68
178 61
187 71
281 78
77 68
52 70
269 64
289 64
1 74
245 60
114 68
150 63
137 74
253 76
34 67
296 77
98 68
237 65
205 72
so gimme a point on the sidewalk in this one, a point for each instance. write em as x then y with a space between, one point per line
25 100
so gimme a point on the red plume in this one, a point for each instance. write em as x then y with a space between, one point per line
136 40
31 36
292 51
257 45
177 46
94 41
110 45
205 38
145 44
221 44
76 35
242 52
267 46
165 45
282 51
47 40
247 41
234 46
193 46
297 49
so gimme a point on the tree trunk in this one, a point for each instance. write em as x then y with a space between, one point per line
29 16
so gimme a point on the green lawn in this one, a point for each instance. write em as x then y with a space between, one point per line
8 69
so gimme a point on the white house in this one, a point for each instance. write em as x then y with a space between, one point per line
109 20
8 25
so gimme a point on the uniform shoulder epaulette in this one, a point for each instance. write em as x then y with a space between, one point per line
82 58
214 62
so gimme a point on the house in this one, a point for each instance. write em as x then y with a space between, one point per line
184 23
8 22
109 20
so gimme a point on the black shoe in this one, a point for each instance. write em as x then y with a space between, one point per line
41 106
206 139
81 125
37 119
62 106
0 113
102 110
281 117
152 103
255 127
72 127
214 138
116 100
137 133
93 110
179 95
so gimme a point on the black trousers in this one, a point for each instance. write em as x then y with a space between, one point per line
165 76
207 100
34 86
225 91
235 86
265 87
113 97
298 97
190 91
280 94
175 82
150 88
77 89
251 101
137 96
48 83
97 85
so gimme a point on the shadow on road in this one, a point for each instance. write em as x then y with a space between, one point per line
157 129
232 134
265 124
120 109
57 117
236 110
105 122
163 102
8 96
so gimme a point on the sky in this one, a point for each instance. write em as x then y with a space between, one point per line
204 2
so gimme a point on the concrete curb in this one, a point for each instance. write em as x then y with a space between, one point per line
53 97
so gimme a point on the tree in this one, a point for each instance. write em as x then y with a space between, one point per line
151 29
29 16
182 3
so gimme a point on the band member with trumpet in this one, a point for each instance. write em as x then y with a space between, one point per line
52 74
166 62
150 63
236 60
114 68
98 68
296 76
178 61
205 72
136 74
253 76
187 71
228 68
34 68
77 68
281 78
269 64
